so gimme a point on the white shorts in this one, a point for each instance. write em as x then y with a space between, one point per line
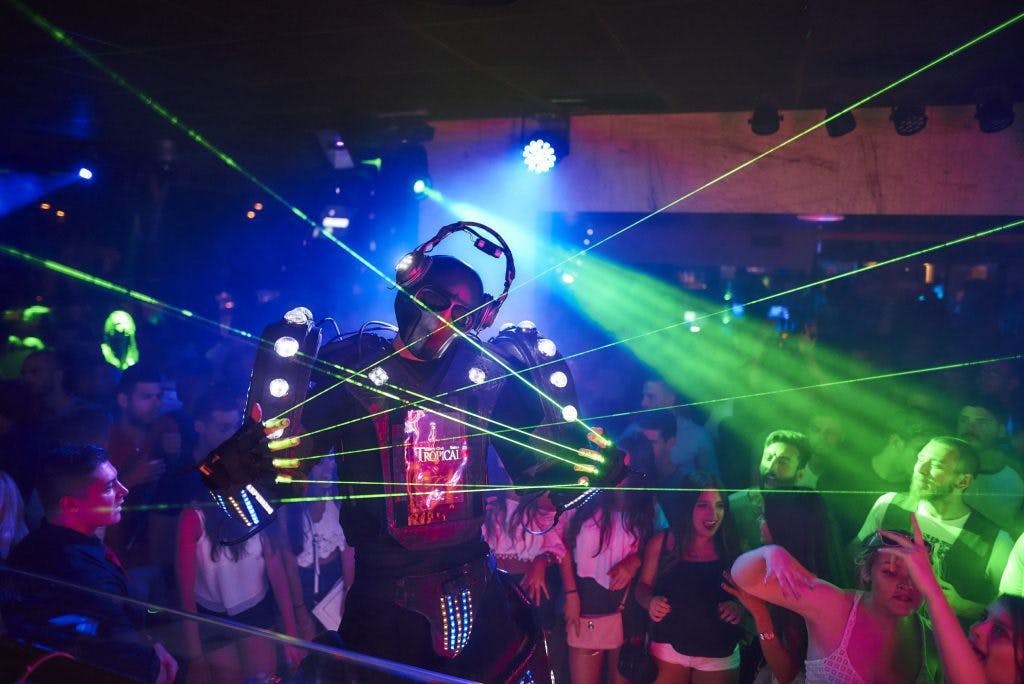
667 654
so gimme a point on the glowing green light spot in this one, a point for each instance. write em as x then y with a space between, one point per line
298 212
376 162
31 313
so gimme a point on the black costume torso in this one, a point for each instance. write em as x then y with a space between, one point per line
411 506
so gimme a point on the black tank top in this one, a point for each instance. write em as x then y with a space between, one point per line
693 627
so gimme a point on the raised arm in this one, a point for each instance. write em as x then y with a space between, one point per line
960 663
770 573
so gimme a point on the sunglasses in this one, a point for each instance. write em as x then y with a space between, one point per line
439 302
877 540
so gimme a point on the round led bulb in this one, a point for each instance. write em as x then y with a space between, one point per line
569 413
286 346
559 379
477 375
546 347
278 387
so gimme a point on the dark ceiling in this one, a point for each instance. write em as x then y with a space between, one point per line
251 72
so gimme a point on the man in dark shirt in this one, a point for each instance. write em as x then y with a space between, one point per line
80 493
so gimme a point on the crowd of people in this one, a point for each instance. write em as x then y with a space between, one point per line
745 548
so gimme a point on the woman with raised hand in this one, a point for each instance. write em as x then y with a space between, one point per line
874 635
799 521
994 650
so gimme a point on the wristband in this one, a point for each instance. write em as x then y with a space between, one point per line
766 636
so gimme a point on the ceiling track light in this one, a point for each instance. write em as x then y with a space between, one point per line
842 124
765 119
994 114
908 119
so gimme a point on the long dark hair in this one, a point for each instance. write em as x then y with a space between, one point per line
799 521
527 515
681 529
637 517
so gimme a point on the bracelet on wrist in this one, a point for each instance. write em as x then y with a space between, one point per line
766 636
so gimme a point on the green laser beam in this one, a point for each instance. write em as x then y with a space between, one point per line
62 38
857 271
752 395
113 287
881 91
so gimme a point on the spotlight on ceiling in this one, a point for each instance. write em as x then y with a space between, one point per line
765 119
908 119
840 125
547 145
994 114
84 173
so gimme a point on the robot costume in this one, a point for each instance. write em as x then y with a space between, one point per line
410 434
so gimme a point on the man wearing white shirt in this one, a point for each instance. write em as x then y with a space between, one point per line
969 551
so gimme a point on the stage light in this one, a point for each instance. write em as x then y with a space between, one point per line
569 413
335 222
908 119
539 156
841 125
568 278
84 173
419 186
765 119
994 114
559 379
477 375
547 145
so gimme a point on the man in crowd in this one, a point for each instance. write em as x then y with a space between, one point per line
998 488
693 448
783 460
81 494
969 551
659 429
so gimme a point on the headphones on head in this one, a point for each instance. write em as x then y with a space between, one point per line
413 267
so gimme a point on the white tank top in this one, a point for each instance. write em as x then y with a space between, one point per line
227 586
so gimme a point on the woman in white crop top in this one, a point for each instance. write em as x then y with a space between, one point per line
244 583
852 637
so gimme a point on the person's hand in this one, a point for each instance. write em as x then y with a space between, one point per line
623 572
792 577
916 558
535 582
572 612
730 611
168 665
658 608
753 604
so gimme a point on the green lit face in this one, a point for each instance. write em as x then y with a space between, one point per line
935 473
780 465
